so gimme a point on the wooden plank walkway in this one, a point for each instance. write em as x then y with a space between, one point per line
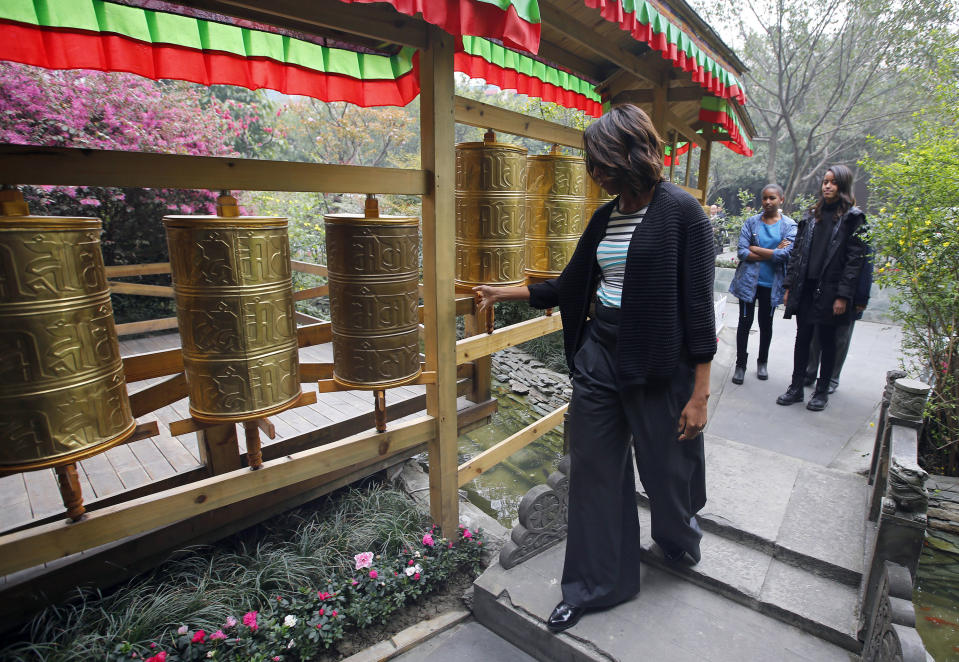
34 495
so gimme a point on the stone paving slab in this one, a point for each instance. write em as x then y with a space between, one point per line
826 521
813 602
466 641
671 619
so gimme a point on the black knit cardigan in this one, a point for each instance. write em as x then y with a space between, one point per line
667 305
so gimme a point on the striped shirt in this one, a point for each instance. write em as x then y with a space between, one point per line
611 255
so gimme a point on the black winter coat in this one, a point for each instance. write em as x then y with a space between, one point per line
667 307
839 277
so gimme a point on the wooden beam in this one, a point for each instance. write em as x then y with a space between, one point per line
379 23
684 129
437 154
140 289
22 164
702 179
26 549
120 270
146 326
309 268
586 37
314 334
474 113
472 348
312 293
673 95
152 364
219 448
159 395
493 456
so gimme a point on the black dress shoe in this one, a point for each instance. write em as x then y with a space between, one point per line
818 401
833 385
761 371
739 374
564 616
792 395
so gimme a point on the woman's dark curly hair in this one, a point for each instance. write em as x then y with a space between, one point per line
624 144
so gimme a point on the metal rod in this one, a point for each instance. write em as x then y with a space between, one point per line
70 490
379 410
254 452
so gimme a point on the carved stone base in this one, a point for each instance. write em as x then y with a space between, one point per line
892 635
542 519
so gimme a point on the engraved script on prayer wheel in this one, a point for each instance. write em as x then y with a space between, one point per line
490 213
555 205
62 388
596 197
234 297
373 264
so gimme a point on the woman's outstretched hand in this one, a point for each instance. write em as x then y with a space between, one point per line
486 296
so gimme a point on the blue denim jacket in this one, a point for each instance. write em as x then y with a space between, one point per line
746 279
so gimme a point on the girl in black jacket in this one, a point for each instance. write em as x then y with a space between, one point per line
639 362
821 280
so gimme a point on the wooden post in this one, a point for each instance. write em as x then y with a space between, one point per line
672 155
437 154
379 409
254 452
70 490
218 448
702 180
659 109
482 366
689 160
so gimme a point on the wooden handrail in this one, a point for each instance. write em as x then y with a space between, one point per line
509 336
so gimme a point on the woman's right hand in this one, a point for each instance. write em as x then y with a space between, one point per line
486 296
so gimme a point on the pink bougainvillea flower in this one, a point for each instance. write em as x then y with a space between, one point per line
364 560
230 622
198 637
249 619
217 635
159 657
373 574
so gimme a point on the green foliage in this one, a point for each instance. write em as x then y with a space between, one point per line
295 565
916 236
549 348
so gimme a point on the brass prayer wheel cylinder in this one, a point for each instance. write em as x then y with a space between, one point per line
373 265
62 388
555 209
233 285
596 197
490 213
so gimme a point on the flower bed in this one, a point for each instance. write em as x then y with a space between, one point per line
296 627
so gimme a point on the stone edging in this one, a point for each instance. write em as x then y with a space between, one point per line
412 636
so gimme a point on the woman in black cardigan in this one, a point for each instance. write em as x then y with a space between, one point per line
821 280
639 330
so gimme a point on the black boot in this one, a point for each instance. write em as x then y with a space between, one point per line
762 372
792 395
820 398
739 374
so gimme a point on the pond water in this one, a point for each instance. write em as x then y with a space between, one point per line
499 491
936 597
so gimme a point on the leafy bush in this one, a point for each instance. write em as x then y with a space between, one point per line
915 236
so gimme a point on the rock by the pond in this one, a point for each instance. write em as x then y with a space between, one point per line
518 387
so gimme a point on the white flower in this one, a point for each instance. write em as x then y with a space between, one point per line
291 644
183 629
210 654
289 621
413 569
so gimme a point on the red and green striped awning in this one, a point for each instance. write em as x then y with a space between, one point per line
516 23
651 26
510 70
721 113
100 35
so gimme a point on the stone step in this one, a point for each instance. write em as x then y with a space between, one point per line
776 587
671 618
800 513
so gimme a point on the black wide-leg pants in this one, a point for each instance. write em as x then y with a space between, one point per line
603 544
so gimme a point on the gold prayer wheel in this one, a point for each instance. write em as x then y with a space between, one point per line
373 264
490 213
62 388
233 285
596 197
555 207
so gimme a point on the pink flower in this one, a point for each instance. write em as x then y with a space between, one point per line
230 622
182 629
334 614
159 657
451 546
353 582
428 540
364 560
467 534
198 637
373 574
321 611
410 563
323 595
249 619
416 576
217 635
276 658
153 645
